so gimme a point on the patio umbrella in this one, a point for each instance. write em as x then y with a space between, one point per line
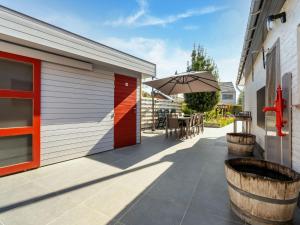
202 81
189 82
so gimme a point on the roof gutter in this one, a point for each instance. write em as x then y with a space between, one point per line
255 10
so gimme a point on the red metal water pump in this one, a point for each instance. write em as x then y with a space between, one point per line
278 109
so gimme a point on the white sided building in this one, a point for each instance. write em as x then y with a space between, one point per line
270 57
63 96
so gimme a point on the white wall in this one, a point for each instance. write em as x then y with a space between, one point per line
250 98
77 112
287 33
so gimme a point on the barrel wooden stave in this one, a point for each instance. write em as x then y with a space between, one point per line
240 144
241 138
261 201
241 150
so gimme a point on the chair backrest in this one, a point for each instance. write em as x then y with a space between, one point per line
172 121
192 120
160 113
196 119
201 117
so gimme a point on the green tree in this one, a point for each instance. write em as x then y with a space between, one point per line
202 101
241 98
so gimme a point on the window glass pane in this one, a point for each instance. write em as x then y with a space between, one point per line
227 96
15 75
15 112
260 98
16 149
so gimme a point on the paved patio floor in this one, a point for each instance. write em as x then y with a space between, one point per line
160 182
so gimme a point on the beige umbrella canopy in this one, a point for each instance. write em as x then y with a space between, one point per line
202 81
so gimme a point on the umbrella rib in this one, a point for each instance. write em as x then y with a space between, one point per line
172 88
206 83
169 81
200 79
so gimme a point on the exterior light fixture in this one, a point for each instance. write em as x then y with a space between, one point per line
272 18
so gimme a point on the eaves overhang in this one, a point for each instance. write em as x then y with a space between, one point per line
256 33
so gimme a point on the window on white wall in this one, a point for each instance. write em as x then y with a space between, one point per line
227 96
260 101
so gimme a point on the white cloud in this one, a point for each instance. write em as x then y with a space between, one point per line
228 68
142 18
168 58
131 19
191 27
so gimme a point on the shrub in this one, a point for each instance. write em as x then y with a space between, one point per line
218 122
234 109
185 109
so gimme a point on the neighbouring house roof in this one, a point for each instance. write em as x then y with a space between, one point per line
256 33
35 34
226 87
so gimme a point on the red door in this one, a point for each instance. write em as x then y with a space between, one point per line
19 113
125 111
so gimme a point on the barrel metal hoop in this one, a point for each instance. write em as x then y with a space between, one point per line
264 199
237 153
249 216
237 143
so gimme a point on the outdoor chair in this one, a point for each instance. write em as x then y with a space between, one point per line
161 119
196 124
172 124
199 123
191 127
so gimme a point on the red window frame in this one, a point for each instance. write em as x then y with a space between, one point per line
34 130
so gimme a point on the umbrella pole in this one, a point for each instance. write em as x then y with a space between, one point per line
153 122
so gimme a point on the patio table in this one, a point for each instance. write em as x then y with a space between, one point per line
181 120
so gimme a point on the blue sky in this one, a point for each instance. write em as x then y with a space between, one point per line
161 31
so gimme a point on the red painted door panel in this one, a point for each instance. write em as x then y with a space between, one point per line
125 111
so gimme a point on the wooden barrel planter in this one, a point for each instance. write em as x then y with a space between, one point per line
262 192
240 144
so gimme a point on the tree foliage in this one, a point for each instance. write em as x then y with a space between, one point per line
241 98
202 101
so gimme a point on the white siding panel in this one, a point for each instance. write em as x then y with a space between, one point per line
76 112
71 95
